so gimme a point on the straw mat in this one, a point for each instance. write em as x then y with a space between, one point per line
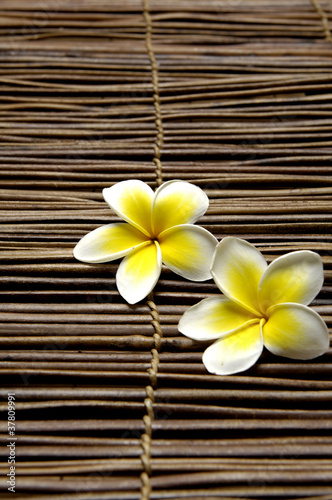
112 402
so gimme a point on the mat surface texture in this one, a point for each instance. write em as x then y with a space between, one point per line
111 400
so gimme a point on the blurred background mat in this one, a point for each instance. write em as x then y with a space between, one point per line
111 401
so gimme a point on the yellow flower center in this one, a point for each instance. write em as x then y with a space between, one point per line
263 321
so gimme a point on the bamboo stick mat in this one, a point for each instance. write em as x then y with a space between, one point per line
111 401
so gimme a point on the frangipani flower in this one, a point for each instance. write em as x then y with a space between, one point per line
158 229
262 305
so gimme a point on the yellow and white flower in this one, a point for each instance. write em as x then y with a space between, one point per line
262 305
158 229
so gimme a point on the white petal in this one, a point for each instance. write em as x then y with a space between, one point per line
177 202
187 250
132 201
109 242
295 331
294 277
236 352
213 318
237 269
139 272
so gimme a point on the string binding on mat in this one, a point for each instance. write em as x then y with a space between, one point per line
324 19
153 371
156 97
148 418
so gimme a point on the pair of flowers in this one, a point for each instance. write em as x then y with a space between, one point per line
261 305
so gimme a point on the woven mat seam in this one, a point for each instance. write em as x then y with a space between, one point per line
148 418
156 97
324 19
146 438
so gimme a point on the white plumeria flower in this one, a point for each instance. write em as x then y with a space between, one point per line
158 229
263 305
